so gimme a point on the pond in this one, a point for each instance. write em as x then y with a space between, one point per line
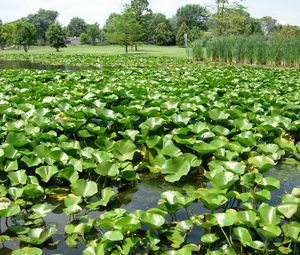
26 64
144 195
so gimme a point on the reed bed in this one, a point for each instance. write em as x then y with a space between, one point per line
256 50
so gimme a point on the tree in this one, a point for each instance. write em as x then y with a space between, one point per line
287 31
193 15
142 13
92 36
180 37
2 40
124 29
156 19
42 21
56 36
76 26
24 34
162 34
8 31
233 19
225 16
268 25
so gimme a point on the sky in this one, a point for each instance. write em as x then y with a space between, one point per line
284 11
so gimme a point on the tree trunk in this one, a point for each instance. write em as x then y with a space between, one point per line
126 49
136 48
25 48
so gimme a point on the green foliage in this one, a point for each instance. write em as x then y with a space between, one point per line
233 19
162 35
180 37
24 35
72 142
42 21
92 36
143 15
124 29
282 51
56 36
268 25
2 39
76 26
193 15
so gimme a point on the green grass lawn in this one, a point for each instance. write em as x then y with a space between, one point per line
144 50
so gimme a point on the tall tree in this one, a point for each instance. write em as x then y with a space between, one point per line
222 16
76 26
180 37
42 21
2 40
92 36
233 19
24 34
124 29
193 15
287 31
8 32
156 19
56 36
162 34
268 25
142 14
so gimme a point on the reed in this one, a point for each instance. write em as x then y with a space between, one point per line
256 50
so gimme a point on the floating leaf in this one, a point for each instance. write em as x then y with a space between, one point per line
124 150
209 238
243 235
17 177
113 235
84 188
270 231
28 251
268 215
224 180
175 168
153 220
46 172
263 163
38 236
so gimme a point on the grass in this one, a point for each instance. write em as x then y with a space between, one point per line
143 50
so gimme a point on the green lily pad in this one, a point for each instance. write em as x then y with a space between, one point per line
28 251
209 238
243 235
113 235
84 188
124 150
153 220
46 172
262 163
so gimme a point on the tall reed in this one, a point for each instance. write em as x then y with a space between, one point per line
279 51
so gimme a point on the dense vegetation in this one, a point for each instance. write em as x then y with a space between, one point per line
278 51
137 24
76 136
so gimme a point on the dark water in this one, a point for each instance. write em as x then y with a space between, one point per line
26 64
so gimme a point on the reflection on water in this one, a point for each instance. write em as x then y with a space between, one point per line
289 177
26 64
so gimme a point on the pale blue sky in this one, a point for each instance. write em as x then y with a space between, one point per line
285 11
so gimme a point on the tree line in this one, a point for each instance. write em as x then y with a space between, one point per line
137 23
